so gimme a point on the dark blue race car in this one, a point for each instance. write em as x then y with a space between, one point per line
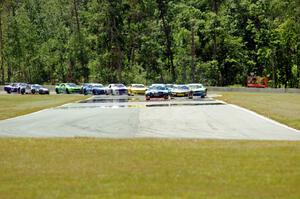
14 87
94 89
158 91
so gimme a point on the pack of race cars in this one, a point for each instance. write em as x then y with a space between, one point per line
165 91
23 88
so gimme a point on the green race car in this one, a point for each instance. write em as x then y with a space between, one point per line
67 88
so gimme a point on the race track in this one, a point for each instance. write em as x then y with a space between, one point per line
115 117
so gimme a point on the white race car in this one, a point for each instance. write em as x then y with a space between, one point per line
117 89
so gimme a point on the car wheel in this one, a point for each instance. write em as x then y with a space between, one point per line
67 90
9 92
202 96
33 91
56 90
22 91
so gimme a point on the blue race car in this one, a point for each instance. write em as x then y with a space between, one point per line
93 88
198 90
14 87
157 91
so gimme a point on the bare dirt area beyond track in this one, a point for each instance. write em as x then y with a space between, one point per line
133 117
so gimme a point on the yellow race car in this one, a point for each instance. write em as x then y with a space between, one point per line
137 89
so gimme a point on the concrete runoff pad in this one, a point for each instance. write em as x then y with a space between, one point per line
199 119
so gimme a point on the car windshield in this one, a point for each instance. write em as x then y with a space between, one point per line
196 86
182 87
138 85
36 86
97 85
71 85
158 88
118 85
158 85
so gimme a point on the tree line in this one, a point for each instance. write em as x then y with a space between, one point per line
216 42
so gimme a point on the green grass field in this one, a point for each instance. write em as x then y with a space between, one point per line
16 105
282 107
150 168
97 168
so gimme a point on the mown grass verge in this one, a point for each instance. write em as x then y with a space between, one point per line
16 105
97 168
282 107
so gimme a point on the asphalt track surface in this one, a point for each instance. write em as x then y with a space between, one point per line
123 117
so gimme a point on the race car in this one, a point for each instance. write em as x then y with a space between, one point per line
157 91
181 90
198 90
14 87
34 89
93 88
117 89
67 88
136 89
43 91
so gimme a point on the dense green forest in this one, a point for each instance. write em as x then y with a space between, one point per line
216 42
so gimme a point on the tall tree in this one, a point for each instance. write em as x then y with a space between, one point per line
164 16
1 44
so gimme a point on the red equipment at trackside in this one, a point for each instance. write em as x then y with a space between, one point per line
257 82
